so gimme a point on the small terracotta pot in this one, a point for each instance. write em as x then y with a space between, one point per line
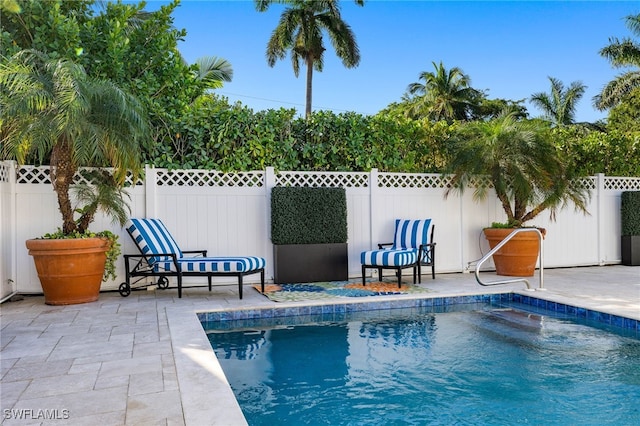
519 256
70 270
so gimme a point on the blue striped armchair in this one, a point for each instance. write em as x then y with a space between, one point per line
412 247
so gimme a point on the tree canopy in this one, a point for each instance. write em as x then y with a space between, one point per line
300 32
621 53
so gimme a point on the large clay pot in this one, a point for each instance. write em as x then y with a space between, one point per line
519 256
70 270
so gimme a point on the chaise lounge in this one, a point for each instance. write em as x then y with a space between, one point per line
161 257
412 247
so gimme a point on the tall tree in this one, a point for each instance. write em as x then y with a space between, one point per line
559 105
621 53
53 106
444 95
300 31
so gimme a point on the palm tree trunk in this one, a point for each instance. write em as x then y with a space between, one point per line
62 172
307 111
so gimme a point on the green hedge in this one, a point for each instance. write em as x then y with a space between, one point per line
302 215
630 212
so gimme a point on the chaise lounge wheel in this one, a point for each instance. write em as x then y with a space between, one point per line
163 283
124 289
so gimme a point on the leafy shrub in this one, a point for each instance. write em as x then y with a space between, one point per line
304 215
630 212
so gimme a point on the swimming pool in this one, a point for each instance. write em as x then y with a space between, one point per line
484 363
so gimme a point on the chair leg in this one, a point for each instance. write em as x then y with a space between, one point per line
419 272
364 268
240 285
179 286
399 278
209 279
380 274
433 264
262 280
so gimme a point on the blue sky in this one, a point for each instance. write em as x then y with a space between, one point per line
508 48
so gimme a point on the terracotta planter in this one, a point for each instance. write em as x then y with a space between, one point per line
70 270
517 258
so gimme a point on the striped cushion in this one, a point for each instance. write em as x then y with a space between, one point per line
389 257
152 237
410 234
213 264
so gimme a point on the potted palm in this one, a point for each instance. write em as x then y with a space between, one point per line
50 109
528 174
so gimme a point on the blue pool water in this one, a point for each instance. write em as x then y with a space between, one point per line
481 364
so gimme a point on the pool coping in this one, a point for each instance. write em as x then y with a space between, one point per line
193 353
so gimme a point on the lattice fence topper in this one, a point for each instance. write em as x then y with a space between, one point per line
323 179
404 180
5 172
209 178
622 183
590 183
41 174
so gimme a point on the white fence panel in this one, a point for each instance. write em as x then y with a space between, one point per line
229 214
7 230
358 226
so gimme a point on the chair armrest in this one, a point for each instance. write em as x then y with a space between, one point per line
147 259
427 247
150 255
201 252
383 245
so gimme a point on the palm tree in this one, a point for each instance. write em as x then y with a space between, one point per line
621 53
213 71
559 106
300 31
445 95
524 167
51 107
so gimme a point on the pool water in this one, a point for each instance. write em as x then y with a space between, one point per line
483 364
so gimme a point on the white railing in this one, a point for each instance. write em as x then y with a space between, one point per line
494 250
229 214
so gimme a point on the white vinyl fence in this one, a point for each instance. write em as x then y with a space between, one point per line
229 214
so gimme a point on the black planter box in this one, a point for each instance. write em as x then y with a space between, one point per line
307 263
631 250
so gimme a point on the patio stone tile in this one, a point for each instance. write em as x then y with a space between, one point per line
168 361
115 356
154 348
140 384
112 382
59 385
18 327
22 346
154 408
170 379
90 349
79 404
102 419
148 336
26 371
11 391
126 367
85 338
53 316
68 329
85 368
134 328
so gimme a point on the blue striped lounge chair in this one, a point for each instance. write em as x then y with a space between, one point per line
161 257
412 247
